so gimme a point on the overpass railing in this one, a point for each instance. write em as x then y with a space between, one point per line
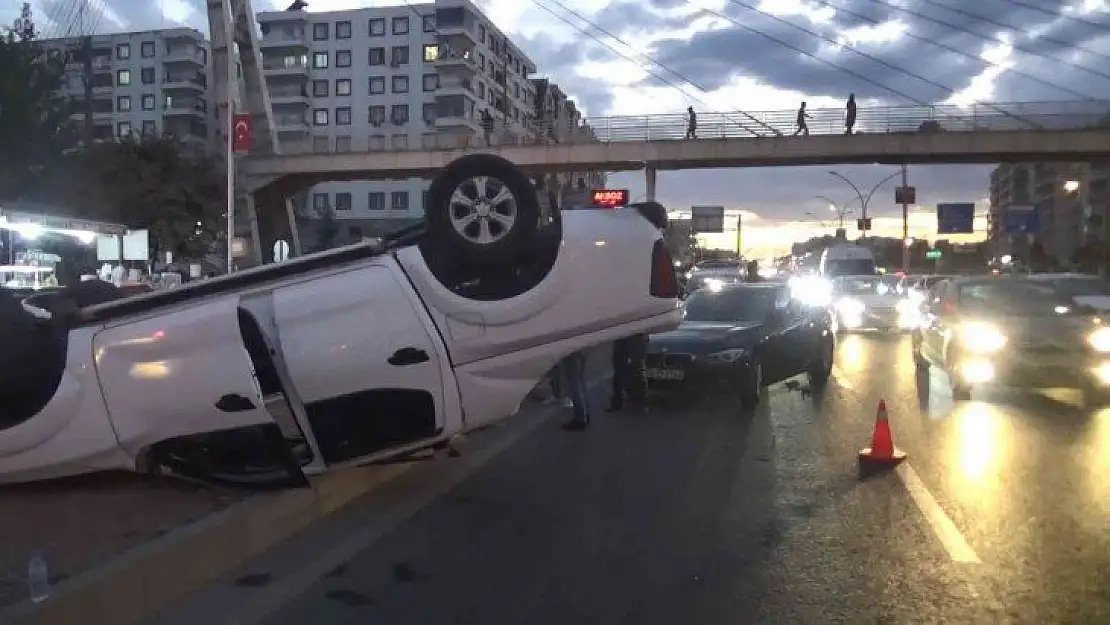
1054 115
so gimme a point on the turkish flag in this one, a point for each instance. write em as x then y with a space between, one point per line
241 133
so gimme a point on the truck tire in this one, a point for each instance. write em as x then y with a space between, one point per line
482 208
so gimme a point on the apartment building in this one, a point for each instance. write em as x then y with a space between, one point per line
1072 199
415 76
558 121
150 82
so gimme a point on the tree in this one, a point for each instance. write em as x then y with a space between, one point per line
35 124
151 183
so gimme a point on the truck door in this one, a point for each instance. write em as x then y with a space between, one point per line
361 357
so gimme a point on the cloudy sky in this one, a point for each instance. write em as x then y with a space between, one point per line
629 57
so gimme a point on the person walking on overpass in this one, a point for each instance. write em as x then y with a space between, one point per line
691 123
850 119
801 121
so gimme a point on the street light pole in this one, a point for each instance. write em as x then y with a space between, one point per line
841 213
863 198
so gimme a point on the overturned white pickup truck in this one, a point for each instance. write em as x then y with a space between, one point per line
350 356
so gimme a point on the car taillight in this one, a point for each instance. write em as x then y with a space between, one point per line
663 281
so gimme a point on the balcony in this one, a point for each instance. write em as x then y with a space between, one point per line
455 59
184 108
193 83
284 67
185 55
293 122
282 40
289 95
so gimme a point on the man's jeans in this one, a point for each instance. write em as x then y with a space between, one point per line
573 368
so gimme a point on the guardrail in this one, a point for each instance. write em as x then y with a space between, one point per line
766 125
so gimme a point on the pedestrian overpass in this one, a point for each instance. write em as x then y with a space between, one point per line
980 133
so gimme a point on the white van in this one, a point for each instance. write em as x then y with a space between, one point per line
846 259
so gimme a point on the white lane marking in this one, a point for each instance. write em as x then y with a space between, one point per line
954 542
841 379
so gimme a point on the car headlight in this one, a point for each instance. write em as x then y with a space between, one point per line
727 355
981 337
1099 340
849 306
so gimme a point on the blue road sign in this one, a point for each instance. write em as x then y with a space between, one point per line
1022 219
956 218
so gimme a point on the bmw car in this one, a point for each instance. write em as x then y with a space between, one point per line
1014 331
739 339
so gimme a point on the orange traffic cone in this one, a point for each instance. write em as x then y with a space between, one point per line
882 454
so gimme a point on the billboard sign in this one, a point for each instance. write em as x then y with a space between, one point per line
707 219
609 198
956 218
1021 219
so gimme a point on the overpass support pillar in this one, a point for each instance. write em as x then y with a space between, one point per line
649 173
275 221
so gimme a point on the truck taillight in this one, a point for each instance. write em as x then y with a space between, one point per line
663 281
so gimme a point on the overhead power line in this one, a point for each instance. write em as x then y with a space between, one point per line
649 58
954 50
848 47
993 22
1057 14
626 57
963 29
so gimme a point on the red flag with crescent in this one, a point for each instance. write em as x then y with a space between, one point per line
241 133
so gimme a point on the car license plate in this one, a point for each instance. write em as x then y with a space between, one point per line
664 374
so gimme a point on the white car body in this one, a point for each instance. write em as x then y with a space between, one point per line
375 357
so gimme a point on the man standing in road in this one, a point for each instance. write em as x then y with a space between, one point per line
691 123
629 352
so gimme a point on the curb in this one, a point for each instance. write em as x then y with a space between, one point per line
141 582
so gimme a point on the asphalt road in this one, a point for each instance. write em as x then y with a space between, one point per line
695 513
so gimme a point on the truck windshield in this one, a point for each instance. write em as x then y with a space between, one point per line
849 267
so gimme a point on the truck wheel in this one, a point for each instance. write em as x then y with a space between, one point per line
483 208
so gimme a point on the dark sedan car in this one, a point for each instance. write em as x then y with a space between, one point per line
740 338
1013 331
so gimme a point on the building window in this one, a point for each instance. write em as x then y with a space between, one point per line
123 129
400 84
320 202
377 85
123 103
320 60
149 128
342 58
481 91
399 56
375 200
148 102
342 201
342 30
481 33
343 116
400 142
319 88
319 32
123 51
377 27
400 26
431 82
320 117
123 77
429 113
399 114
431 52
429 23
147 75
343 86
343 143
376 56
376 115
147 50
399 200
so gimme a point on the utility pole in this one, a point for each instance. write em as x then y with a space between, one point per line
739 231
905 220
